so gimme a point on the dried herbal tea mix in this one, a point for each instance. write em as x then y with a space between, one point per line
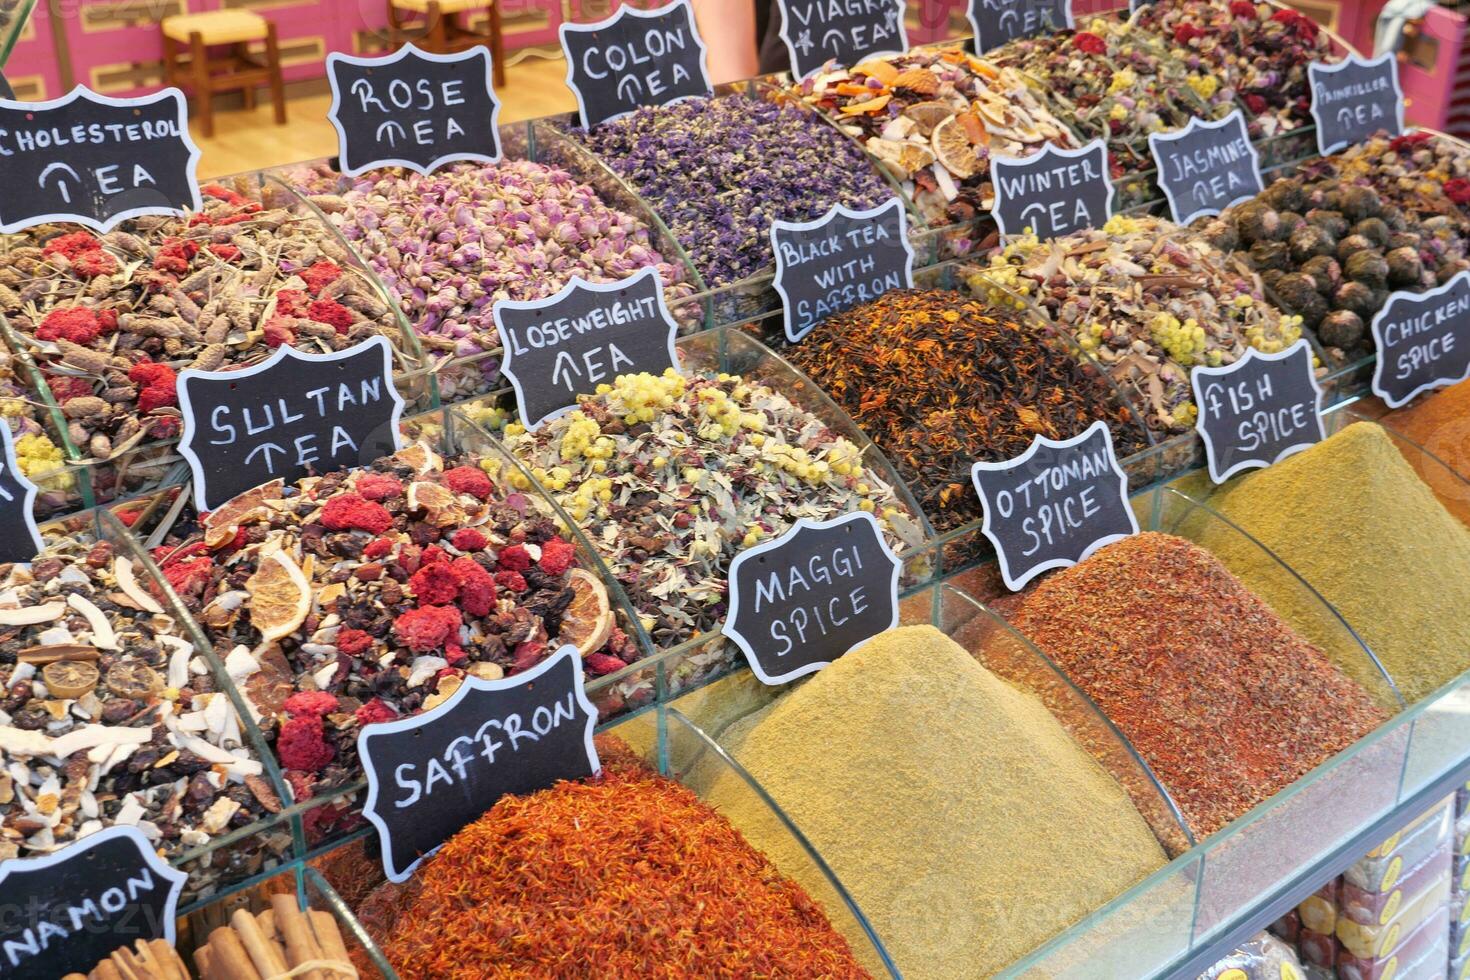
36 450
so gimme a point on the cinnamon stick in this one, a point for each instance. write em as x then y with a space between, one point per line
169 958
128 966
329 938
295 930
267 922
106 971
231 962
204 962
266 956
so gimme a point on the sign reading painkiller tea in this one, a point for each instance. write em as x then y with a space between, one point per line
635 58
587 334
290 415
843 259
413 109
95 160
20 539
1052 193
1206 166
1423 341
1354 99
431 775
1259 410
994 22
1055 504
847 32
802 600
69 910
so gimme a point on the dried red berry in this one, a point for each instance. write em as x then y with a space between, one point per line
350 512
316 703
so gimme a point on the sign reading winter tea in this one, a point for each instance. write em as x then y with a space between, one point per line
799 602
95 160
587 334
843 259
1206 166
1055 504
994 22
432 774
1423 341
635 58
413 109
291 412
845 31
1354 99
69 910
1054 192
1259 410
20 539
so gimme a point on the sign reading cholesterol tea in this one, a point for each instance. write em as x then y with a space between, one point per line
1259 410
1354 99
635 58
1052 193
845 31
1206 166
1423 341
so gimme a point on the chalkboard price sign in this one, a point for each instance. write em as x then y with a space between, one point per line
1054 192
413 109
20 539
847 32
95 160
1423 341
1259 410
1206 166
1354 99
635 58
432 774
995 22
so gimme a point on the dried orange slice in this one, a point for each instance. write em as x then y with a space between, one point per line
953 149
133 680
928 114
881 70
280 596
420 457
236 510
868 105
438 503
70 678
587 622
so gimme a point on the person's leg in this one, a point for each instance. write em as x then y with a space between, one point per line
728 29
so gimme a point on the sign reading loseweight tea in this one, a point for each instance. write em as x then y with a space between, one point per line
1052 193
1259 410
846 32
1206 166
1354 99
635 58
1423 341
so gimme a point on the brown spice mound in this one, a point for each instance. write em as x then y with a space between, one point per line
1440 423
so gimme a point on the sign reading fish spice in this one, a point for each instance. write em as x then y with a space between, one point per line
432 774
843 31
1259 410
413 109
1055 504
1423 341
799 602
1054 192
843 259
66 912
1206 166
995 22
20 539
1354 99
287 416
635 58
95 160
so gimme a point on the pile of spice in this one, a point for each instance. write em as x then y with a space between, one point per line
36 452
973 802
940 381
719 171
933 118
1439 423
625 874
1149 300
1225 702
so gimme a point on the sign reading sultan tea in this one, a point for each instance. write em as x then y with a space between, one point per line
845 31
1055 504
1259 410
413 109
843 259
288 415
433 774
20 539
994 22
1054 192
799 602
635 58
1206 166
1354 99
95 160
1423 341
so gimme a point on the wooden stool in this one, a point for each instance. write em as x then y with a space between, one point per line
442 32
239 69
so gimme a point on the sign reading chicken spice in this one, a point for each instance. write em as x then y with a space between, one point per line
1259 410
435 773
1206 166
1354 99
95 160
1423 341
847 32
289 415
20 539
1054 192
1055 504
635 58
997 21
67 911
413 109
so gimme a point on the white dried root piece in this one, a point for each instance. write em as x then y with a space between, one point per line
122 570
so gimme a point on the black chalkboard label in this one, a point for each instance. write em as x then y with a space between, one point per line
1054 192
433 774
95 160
66 912
413 109
20 539
843 259
843 31
1206 166
290 415
635 58
1259 410
1354 99
995 22
1423 341
1055 504
799 602
587 334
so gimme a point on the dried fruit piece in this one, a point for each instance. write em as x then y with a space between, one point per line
280 596
437 502
420 457
238 510
70 678
133 680
122 570
881 70
866 106
44 613
588 620
929 114
920 80
952 147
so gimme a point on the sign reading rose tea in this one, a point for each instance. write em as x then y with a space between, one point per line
67 911
1354 99
288 415
1259 410
413 109
432 774
1055 504
20 539
1423 341
799 602
843 259
94 160
994 22
1052 193
1206 166
635 58
845 31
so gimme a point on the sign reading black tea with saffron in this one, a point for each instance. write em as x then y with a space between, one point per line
1052 193
845 31
1055 504
1206 166
995 22
1259 410
1354 99
635 58
1423 341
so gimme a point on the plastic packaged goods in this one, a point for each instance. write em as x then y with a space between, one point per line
1386 865
1264 957
1318 912
1398 885
1430 938
1363 941
1319 949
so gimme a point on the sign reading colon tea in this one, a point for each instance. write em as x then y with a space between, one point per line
635 58
1206 166
847 32
413 109
20 539
1259 410
1354 99
995 22
1052 193
1423 341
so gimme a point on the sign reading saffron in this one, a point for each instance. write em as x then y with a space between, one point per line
635 58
